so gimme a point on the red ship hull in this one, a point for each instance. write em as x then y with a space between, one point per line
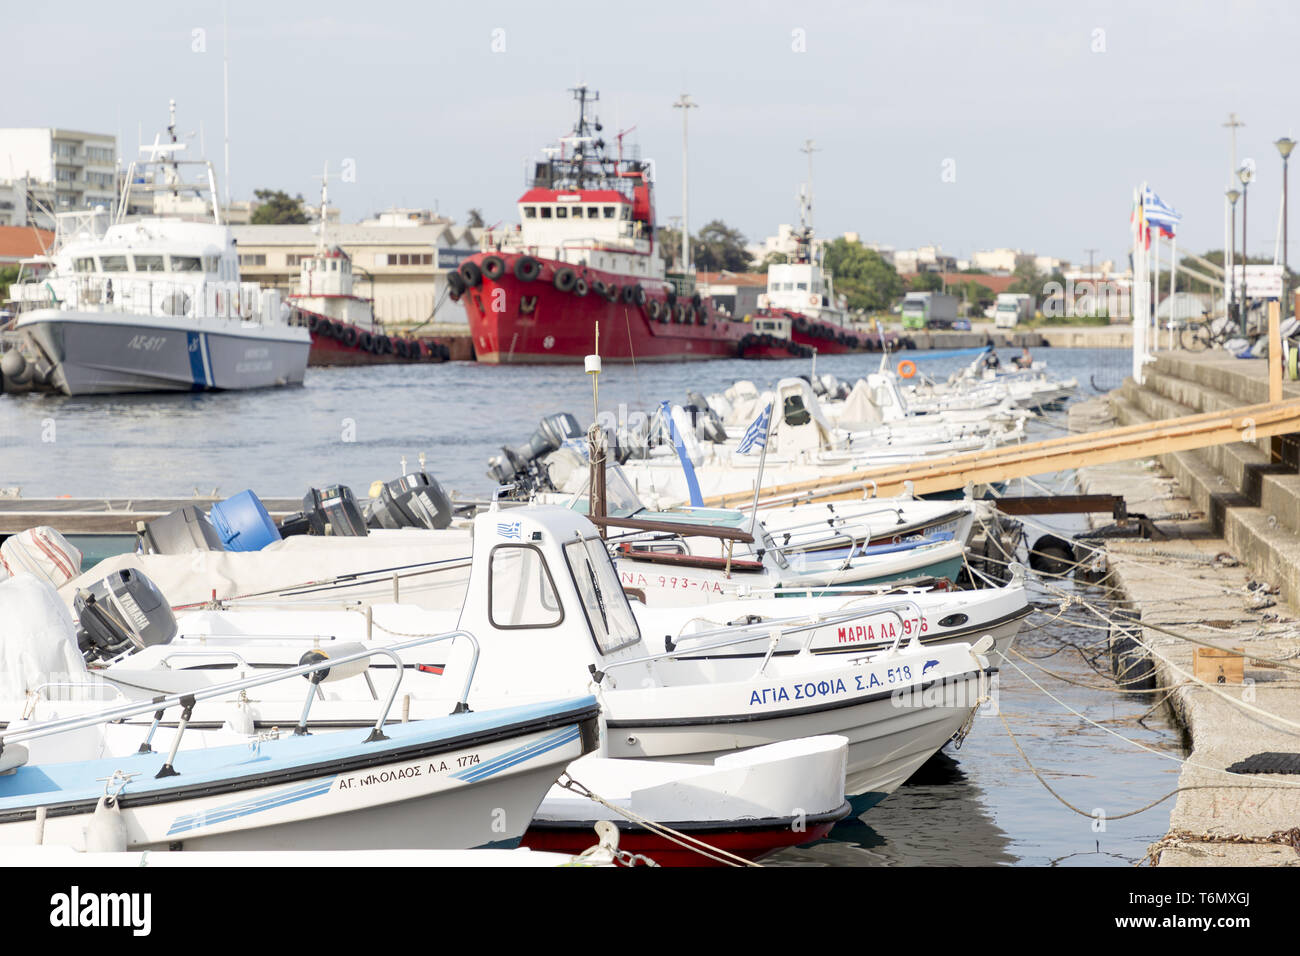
340 343
751 840
807 334
515 321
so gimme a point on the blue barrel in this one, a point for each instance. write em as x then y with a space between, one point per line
243 524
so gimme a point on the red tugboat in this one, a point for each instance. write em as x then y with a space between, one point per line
584 253
344 330
800 313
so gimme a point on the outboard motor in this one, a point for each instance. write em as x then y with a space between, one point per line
122 612
181 532
552 432
412 501
708 427
333 511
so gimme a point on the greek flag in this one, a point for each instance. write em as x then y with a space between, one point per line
1158 214
756 435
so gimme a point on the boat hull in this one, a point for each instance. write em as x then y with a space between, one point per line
751 839
98 353
517 322
890 734
417 790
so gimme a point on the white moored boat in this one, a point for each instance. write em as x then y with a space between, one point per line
152 304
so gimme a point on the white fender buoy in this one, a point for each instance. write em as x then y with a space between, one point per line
106 832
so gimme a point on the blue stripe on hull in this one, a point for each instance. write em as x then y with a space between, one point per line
194 342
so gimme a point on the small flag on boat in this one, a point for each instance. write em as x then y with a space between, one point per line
756 435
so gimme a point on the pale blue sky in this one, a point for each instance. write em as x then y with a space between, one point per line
1047 137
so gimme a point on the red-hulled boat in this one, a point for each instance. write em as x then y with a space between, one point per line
800 312
344 330
751 839
584 253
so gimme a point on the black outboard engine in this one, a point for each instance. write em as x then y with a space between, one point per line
122 612
180 532
513 464
333 511
412 501
708 425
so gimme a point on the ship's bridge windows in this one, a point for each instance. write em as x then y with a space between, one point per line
86 264
609 212
802 286
186 264
113 263
627 212
577 212
530 212
561 212
545 211
149 263
593 212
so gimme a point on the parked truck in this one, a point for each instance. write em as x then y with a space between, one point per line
933 310
1012 308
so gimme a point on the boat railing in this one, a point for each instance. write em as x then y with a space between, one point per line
774 630
188 699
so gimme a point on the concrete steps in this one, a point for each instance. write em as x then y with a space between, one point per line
1252 500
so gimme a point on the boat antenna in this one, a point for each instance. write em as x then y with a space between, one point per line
324 205
225 91
597 506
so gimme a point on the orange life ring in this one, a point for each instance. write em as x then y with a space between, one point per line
906 368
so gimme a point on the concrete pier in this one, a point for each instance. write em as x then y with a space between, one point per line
1227 575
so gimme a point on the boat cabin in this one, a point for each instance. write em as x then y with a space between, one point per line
325 286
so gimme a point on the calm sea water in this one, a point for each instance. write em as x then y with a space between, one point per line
976 805
353 426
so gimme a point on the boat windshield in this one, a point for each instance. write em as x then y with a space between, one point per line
520 590
611 619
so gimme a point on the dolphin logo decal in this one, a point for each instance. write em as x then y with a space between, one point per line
928 664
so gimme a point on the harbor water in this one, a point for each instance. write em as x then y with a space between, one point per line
977 805
354 425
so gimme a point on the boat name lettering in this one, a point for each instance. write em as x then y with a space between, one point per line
147 343
243 368
797 691
257 353
391 776
887 631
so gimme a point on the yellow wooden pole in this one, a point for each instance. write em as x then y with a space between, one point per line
1274 353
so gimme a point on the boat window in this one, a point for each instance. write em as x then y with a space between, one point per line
794 411
561 212
530 212
85 265
186 264
627 212
593 212
546 212
612 623
113 263
211 264
148 263
521 592
609 212
802 286
577 212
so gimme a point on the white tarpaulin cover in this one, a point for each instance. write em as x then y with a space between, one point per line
38 640
40 551
186 579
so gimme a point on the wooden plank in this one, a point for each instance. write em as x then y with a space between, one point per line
1145 440
673 527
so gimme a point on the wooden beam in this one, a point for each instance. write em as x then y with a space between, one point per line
1274 352
1145 440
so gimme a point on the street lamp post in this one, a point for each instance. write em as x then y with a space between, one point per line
1284 146
1231 275
685 104
1246 174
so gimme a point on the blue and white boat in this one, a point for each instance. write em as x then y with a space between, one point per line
455 782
